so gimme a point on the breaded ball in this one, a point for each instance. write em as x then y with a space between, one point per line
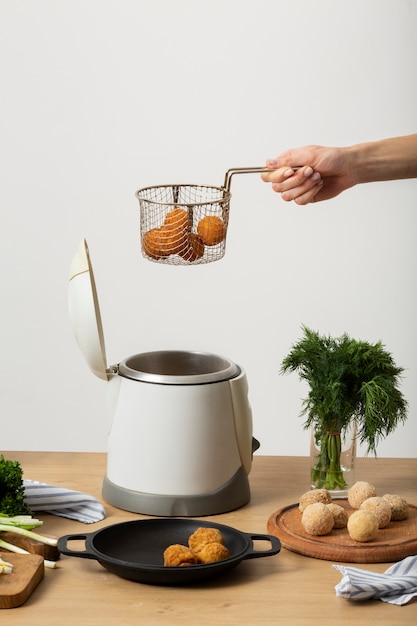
380 508
359 492
161 242
153 244
317 519
362 526
399 507
193 248
177 218
175 230
315 495
213 552
203 536
174 240
340 516
178 555
211 229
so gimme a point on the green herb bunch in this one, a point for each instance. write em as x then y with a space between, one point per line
348 380
12 491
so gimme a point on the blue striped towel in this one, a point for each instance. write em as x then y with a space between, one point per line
397 585
63 502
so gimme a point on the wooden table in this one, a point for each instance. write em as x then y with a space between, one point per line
288 588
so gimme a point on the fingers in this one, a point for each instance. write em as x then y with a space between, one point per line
277 174
312 195
300 185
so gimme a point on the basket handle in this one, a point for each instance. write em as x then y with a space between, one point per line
246 170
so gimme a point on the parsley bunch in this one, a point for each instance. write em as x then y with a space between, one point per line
12 491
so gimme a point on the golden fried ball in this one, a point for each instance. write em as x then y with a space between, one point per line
173 239
177 218
399 506
212 552
193 248
163 241
340 516
359 492
175 230
178 555
153 245
362 526
380 508
317 519
203 536
211 229
314 495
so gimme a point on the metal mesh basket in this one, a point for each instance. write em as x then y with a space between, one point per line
186 224
183 224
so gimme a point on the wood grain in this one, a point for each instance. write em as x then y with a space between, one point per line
397 541
289 589
50 553
15 588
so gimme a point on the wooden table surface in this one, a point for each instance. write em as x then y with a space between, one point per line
284 589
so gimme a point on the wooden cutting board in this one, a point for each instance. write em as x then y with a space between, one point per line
15 588
51 553
393 543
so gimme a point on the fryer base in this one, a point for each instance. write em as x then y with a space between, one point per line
232 495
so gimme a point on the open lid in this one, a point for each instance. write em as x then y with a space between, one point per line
85 312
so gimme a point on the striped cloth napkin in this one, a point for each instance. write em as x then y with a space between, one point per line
63 502
398 584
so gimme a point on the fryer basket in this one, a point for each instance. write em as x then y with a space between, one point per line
186 224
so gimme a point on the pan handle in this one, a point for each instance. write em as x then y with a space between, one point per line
64 549
255 554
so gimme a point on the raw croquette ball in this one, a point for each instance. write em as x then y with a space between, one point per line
317 519
362 526
380 508
399 506
340 516
359 492
314 495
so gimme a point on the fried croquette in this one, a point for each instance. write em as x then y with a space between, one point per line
315 495
211 229
177 218
213 552
340 516
205 545
175 230
317 519
178 555
362 526
380 508
203 536
193 248
169 238
359 492
399 506
153 243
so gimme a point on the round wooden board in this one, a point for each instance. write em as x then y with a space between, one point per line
395 542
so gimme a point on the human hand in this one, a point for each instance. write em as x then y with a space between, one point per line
327 173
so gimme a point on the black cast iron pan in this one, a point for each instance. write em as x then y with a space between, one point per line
134 550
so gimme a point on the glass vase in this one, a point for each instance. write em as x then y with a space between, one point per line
332 460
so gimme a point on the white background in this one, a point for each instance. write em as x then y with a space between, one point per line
102 97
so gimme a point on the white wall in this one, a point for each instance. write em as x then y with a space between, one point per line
101 97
